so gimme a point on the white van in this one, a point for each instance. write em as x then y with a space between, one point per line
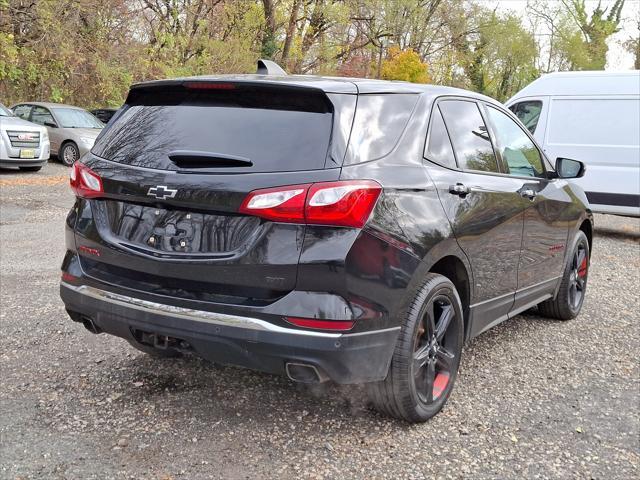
593 117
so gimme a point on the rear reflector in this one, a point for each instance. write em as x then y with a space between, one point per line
85 182
317 324
344 203
67 277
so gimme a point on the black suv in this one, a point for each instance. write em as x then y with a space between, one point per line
350 230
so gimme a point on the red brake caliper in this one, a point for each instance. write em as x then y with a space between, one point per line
582 271
439 384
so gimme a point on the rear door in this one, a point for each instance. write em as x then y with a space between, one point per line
42 115
483 205
546 223
176 165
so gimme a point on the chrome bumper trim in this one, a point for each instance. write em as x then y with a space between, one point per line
191 314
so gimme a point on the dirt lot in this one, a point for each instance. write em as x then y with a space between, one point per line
535 398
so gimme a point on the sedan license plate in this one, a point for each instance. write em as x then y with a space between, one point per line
27 153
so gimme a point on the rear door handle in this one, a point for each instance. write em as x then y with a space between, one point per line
528 193
459 189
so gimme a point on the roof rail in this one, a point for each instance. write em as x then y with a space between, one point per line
268 67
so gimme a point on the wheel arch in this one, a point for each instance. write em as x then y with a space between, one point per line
587 228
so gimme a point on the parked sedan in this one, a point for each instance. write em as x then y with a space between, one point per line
22 144
72 130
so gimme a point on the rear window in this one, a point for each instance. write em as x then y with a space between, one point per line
240 129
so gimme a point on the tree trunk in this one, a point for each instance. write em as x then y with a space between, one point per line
291 31
269 36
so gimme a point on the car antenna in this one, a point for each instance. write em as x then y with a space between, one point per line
268 67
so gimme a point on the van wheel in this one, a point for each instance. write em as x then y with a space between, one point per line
69 153
156 352
570 297
425 362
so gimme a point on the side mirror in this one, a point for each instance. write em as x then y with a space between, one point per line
50 124
568 168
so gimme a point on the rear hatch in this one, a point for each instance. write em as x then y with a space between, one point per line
176 164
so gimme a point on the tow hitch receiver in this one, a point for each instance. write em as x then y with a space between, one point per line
158 341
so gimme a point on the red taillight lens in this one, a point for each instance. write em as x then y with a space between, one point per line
317 324
344 203
347 203
282 204
85 182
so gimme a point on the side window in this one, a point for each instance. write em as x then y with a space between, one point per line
469 135
22 111
528 113
517 150
41 115
439 149
378 124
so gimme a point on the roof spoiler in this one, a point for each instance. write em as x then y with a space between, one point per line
268 67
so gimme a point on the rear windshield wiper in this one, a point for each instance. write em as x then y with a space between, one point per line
198 159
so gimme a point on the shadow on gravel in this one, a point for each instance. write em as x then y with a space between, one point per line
190 389
619 234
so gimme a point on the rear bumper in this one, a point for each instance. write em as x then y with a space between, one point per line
244 341
17 162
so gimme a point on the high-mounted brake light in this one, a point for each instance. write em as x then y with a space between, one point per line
209 86
346 203
85 182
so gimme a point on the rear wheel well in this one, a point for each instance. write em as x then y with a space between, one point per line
588 231
453 268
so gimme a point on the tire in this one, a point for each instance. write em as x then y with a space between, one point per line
424 365
30 169
568 302
156 352
69 153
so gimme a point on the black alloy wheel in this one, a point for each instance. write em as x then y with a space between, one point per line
425 362
433 357
568 302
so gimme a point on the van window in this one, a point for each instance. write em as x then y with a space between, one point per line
589 121
469 135
268 130
378 124
517 150
528 113
439 149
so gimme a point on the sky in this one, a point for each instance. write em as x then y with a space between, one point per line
617 57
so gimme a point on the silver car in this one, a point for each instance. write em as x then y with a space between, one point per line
72 130
22 144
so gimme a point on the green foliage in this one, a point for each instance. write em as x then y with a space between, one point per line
591 52
88 52
405 65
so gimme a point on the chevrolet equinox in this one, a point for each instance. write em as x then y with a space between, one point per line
327 229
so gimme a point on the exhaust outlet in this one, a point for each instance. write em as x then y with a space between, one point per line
304 373
89 325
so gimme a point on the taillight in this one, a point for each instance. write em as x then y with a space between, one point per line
318 324
343 203
347 203
283 204
85 182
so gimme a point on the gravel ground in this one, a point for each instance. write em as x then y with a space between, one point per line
534 399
